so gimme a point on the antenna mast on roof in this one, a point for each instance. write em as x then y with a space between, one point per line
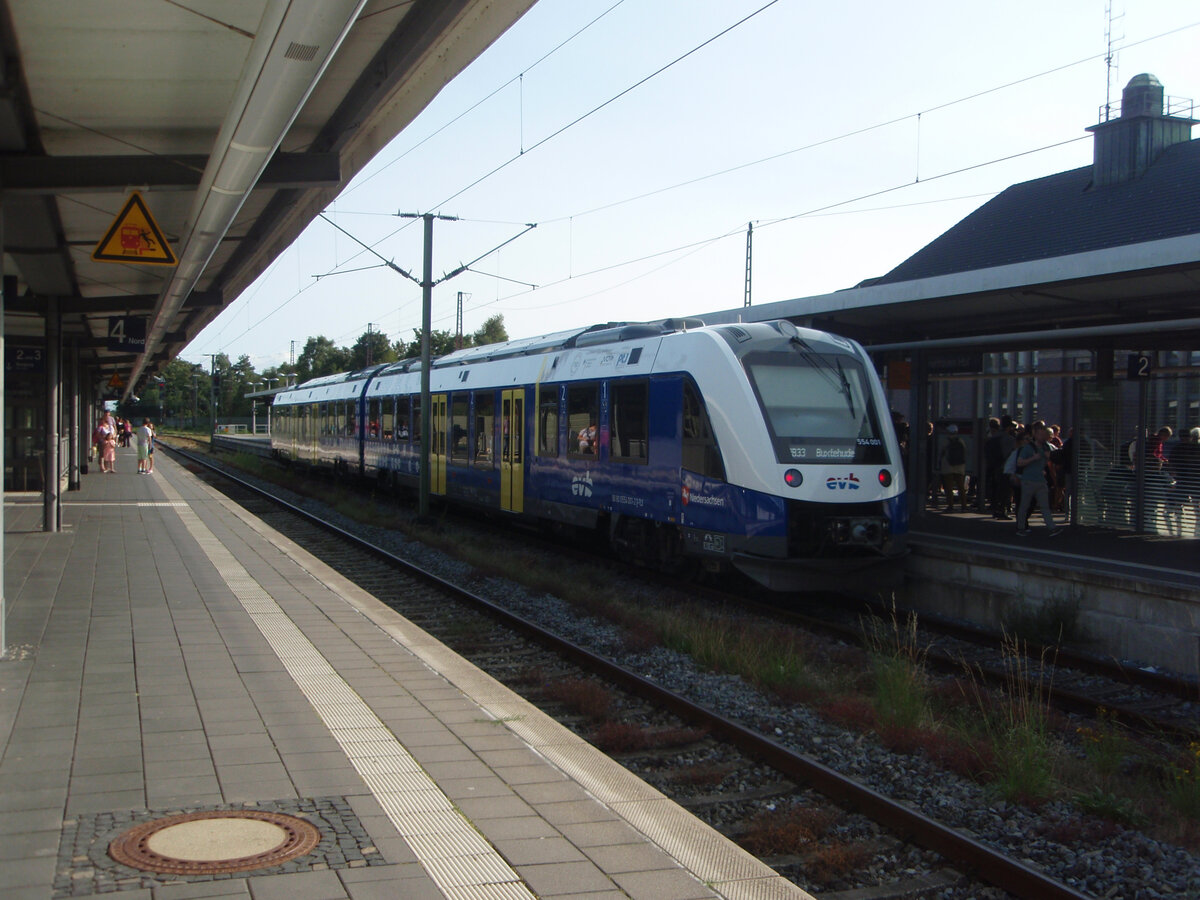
749 257
1109 57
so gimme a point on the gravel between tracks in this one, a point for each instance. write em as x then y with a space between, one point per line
1112 862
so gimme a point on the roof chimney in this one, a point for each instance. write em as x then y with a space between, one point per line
1126 146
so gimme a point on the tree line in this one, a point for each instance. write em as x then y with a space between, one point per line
186 394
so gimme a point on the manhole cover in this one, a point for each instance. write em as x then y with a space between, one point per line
205 843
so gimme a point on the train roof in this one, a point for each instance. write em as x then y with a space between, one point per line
608 333
350 384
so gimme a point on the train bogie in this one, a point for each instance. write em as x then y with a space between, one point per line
758 447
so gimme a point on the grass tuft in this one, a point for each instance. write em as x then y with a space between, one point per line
582 696
786 832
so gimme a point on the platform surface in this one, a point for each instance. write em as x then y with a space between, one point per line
1097 552
169 654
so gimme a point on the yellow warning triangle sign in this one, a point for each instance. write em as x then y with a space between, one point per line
116 381
134 237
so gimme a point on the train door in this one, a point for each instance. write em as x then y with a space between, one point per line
512 443
438 423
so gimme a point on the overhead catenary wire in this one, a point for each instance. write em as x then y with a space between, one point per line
693 245
519 77
821 210
843 136
589 113
738 230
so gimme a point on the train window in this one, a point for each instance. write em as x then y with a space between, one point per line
630 421
349 418
402 418
459 432
374 414
322 423
548 421
485 428
700 451
387 419
416 418
818 407
583 420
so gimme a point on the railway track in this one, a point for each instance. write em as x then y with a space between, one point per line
1151 704
771 775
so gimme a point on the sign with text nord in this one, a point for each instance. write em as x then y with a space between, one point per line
127 333
134 237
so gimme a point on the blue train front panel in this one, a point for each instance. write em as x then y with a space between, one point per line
813 492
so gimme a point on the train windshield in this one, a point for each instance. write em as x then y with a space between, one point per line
818 407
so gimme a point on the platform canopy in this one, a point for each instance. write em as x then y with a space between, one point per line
156 156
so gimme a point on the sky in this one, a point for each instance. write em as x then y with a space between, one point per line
643 137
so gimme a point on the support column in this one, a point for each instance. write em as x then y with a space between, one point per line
1139 449
426 404
50 460
917 476
75 450
3 403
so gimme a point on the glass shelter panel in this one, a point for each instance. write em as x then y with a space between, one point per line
1131 468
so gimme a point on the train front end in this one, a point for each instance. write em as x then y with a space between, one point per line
822 461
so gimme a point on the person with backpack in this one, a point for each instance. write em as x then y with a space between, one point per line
1031 463
953 468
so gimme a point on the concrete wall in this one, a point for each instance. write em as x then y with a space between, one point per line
1151 624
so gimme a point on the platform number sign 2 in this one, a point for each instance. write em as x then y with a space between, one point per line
1141 365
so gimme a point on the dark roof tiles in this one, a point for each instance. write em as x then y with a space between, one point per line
1062 214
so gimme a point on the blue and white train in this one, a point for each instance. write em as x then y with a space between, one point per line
760 446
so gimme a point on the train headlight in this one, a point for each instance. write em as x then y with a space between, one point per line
793 478
885 477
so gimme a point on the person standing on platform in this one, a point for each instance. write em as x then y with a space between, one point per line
993 464
150 455
952 464
97 451
143 448
108 461
1031 465
1184 465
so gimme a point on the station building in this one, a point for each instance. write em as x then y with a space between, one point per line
1073 299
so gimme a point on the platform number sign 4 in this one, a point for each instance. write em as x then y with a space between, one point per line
1141 365
127 333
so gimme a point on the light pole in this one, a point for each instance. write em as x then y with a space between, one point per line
161 384
270 381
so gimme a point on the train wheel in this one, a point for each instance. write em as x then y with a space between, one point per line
671 558
651 544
